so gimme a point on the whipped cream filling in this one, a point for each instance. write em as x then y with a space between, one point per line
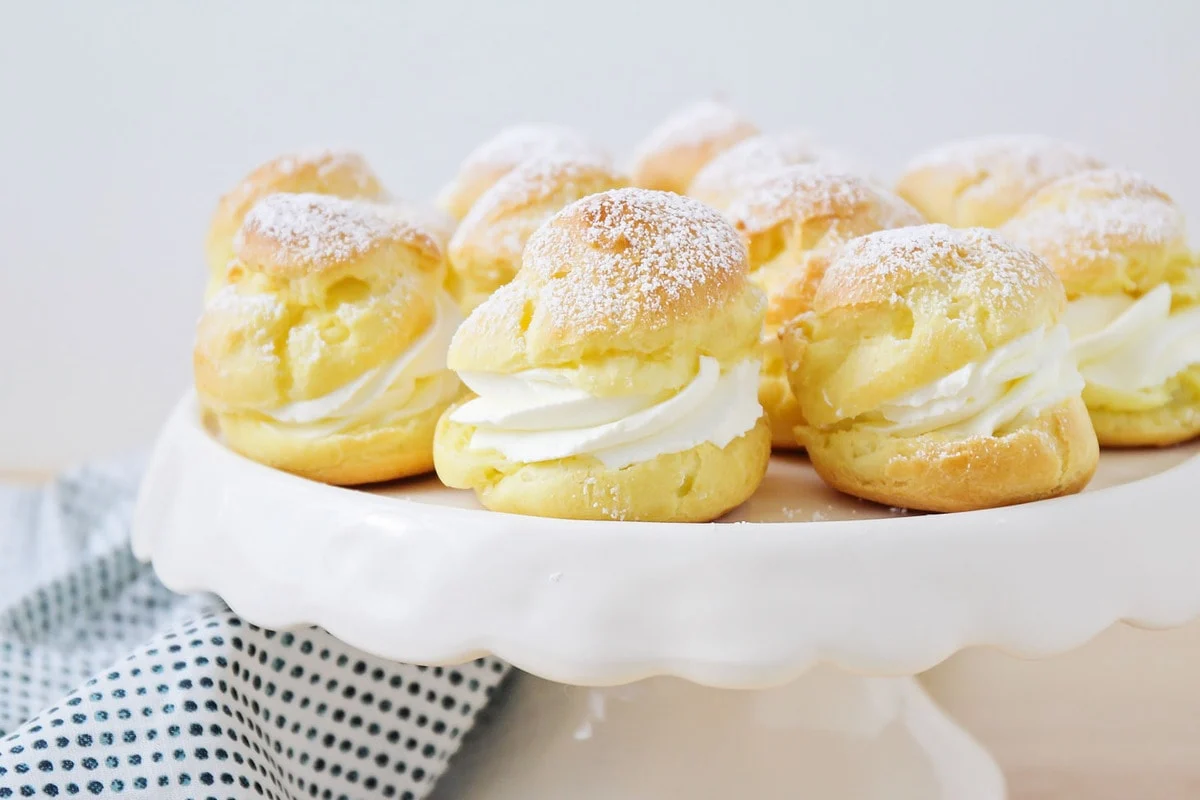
1130 344
387 392
537 415
1016 381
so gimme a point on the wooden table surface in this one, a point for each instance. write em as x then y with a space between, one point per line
24 476
1118 719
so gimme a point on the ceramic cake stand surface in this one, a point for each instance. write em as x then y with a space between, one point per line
765 656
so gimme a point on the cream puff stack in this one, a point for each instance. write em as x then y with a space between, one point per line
485 251
967 341
935 372
985 180
1119 244
325 353
794 220
673 153
340 173
616 376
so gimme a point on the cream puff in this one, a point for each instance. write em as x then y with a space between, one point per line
794 219
1119 244
616 376
485 251
983 181
727 175
671 155
935 373
325 354
340 173
495 158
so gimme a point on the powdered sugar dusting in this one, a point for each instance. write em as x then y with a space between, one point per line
254 312
1109 182
1026 162
973 262
304 344
327 161
343 170
517 143
612 261
434 222
537 177
506 215
1089 214
498 317
607 501
318 229
810 191
694 125
648 250
1095 230
760 154
231 300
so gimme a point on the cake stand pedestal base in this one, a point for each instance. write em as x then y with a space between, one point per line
829 735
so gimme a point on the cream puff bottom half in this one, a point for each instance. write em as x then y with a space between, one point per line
366 454
696 485
1054 454
1160 426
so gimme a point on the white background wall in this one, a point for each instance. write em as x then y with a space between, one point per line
121 122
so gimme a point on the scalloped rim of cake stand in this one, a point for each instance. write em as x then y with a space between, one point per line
605 603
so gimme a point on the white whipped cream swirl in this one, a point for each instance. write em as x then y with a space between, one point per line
537 415
1014 382
1130 344
388 392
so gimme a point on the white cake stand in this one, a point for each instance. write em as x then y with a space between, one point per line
765 656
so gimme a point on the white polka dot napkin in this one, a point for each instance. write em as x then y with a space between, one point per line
112 686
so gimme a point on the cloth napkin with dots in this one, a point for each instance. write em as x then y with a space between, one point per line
112 686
